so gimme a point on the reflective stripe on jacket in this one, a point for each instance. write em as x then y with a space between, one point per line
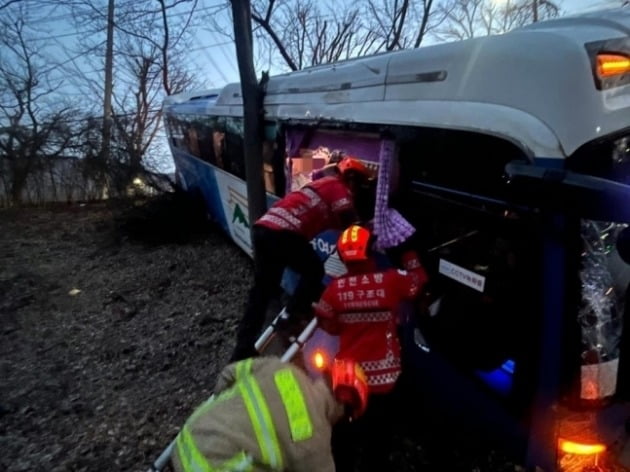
268 416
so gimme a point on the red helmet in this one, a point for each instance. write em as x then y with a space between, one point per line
353 244
349 385
352 164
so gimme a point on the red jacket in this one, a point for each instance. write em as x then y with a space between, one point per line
363 310
313 209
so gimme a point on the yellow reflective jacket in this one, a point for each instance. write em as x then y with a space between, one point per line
265 416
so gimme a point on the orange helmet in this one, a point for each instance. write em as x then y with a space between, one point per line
353 244
349 385
352 164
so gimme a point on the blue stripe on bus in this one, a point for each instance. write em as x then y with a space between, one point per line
201 176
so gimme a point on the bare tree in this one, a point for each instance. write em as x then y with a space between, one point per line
424 27
497 19
400 24
6 4
33 127
168 37
463 19
307 33
470 18
542 9
295 34
149 50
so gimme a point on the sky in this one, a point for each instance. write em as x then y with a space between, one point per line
211 54
224 57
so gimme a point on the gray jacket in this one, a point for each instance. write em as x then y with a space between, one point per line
224 428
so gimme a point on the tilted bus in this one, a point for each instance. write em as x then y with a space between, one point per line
512 160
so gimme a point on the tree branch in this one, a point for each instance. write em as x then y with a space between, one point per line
266 26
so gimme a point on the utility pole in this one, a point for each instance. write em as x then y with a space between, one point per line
109 72
535 10
252 93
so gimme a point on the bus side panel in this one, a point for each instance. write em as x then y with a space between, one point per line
197 176
233 196
224 193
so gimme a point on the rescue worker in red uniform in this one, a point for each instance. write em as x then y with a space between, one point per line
281 238
362 308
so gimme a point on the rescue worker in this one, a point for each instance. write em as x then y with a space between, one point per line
282 237
267 415
362 308
331 167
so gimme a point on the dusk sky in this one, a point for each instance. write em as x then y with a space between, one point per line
211 54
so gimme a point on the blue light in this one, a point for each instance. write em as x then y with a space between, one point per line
508 366
501 378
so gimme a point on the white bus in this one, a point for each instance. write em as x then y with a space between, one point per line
511 157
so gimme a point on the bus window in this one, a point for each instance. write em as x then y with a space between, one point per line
175 133
609 159
268 152
483 259
307 161
604 278
218 147
204 136
459 160
234 157
311 153
191 139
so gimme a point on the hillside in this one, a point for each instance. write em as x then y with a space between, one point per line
114 321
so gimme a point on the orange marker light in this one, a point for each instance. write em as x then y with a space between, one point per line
319 360
609 65
571 447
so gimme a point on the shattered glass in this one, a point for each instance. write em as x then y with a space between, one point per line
602 305
604 278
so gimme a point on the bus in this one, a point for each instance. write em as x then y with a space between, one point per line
510 155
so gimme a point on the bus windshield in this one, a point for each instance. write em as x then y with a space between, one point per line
604 279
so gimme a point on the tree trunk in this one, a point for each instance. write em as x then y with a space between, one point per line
107 100
17 189
252 93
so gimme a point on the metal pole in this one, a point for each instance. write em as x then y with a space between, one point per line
163 459
300 341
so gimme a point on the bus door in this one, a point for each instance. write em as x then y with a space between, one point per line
583 412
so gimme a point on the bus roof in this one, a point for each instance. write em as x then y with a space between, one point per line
534 86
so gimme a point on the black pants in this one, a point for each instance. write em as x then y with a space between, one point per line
371 436
275 251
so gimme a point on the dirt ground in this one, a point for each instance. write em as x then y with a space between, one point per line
114 321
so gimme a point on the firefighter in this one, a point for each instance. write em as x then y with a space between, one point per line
282 237
362 308
267 415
